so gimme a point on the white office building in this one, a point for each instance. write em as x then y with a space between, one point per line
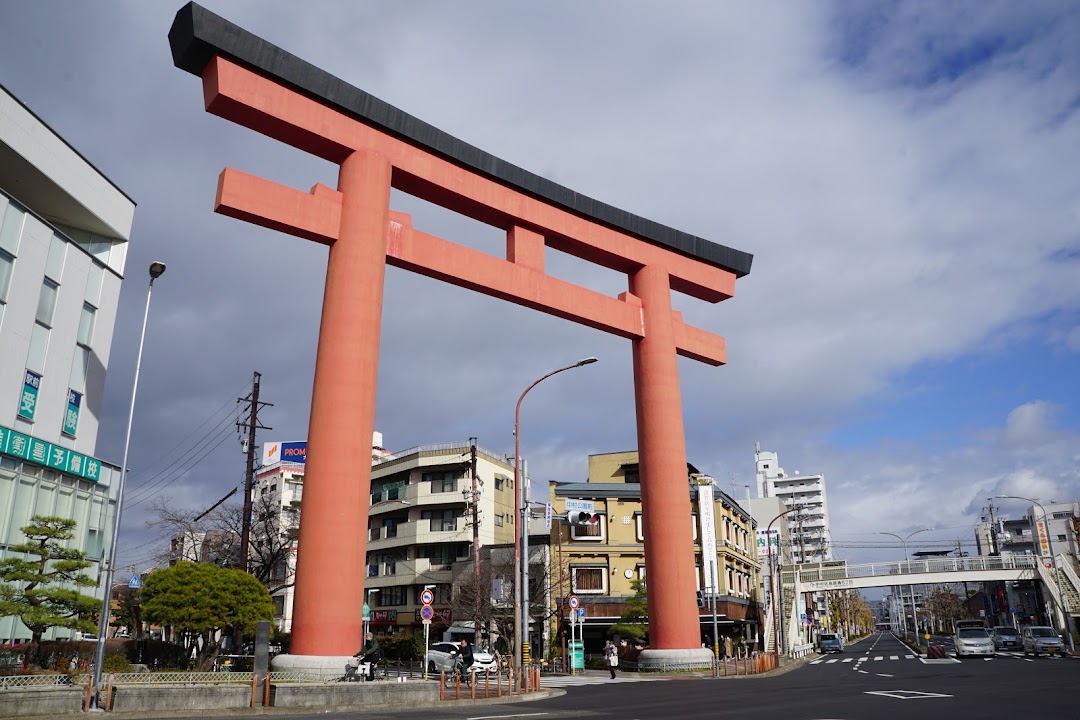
64 229
809 528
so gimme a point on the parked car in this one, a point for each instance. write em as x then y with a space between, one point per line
1038 638
972 641
443 656
1006 638
830 642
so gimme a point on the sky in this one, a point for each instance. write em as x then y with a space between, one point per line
903 173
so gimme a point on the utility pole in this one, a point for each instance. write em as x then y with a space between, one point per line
475 541
250 423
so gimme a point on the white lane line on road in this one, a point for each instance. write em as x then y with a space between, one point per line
893 657
879 657
883 675
909 657
492 717
848 659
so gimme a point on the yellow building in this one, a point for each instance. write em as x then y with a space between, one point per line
598 561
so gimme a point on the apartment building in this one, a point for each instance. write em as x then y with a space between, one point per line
64 229
598 562
809 528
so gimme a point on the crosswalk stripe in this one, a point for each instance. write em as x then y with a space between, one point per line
893 657
879 657
848 659
581 680
830 662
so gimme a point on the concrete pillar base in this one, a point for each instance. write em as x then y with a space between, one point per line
690 659
327 666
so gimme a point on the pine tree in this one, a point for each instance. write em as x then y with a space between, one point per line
40 586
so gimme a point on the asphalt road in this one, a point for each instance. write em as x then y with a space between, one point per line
874 679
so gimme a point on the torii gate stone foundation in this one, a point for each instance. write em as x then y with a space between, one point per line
253 83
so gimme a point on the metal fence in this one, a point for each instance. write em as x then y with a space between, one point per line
8 682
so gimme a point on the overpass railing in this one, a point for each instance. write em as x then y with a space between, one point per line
908 567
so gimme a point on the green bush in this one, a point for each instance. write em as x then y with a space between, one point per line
402 647
116 664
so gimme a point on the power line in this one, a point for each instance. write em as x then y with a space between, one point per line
214 414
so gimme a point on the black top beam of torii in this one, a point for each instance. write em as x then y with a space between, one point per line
198 35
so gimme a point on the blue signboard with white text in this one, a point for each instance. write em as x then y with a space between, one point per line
28 399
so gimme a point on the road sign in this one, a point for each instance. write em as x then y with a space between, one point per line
574 602
547 515
367 612
577 654
134 583
581 613
427 597
580 506
426 613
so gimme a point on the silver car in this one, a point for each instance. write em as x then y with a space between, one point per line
1038 638
972 641
1006 638
443 656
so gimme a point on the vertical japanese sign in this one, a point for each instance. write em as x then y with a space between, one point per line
1044 542
707 520
28 400
71 417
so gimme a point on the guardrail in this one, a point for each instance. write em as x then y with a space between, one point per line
802 650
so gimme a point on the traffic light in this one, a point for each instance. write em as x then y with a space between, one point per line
700 599
585 518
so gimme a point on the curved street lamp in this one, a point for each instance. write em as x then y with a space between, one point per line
521 571
157 269
1053 562
914 618
773 583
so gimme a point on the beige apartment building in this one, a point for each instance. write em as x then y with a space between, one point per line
598 562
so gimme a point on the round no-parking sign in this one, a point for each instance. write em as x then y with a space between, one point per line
426 612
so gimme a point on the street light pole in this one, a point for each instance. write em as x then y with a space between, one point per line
1053 564
773 580
914 617
157 269
521 599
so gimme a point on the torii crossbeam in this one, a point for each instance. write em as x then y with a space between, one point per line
378 147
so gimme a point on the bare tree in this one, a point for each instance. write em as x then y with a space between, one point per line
945 606
272 541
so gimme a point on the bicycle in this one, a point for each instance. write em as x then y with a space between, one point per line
467 675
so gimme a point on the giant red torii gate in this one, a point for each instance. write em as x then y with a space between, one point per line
256 84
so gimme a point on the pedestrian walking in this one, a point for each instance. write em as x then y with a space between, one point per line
728 646
611 656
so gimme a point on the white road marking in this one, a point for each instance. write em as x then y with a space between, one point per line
879 657
893 657
906 694
848 659
883 675
491 717
830 662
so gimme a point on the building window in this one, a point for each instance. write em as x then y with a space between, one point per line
640 532
499 520
441 520
54 264
390 525
589 579
595 532
499 481
1056 516
86 324
441 482
46 303
393 596
7 265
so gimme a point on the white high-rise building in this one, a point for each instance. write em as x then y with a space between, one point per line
809 528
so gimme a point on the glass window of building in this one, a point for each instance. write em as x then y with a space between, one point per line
47 303
54 265
39 345
86 324
11 227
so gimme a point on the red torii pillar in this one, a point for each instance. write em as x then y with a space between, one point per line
255 84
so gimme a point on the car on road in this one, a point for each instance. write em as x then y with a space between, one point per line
830 642
1038 638
443 655
969 641
1006 637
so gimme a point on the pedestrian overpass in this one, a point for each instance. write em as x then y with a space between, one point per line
818 577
